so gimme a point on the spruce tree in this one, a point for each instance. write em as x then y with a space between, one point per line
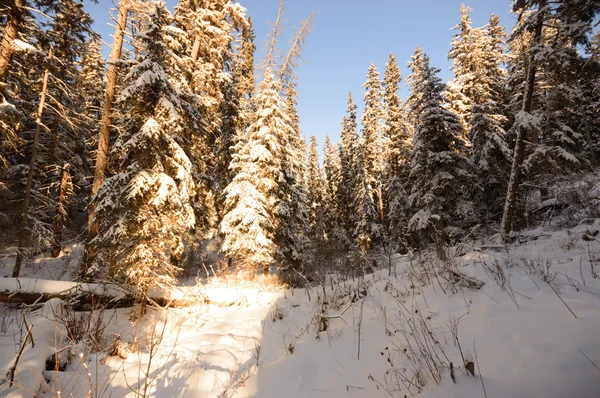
314 179
441 176
490 152
414 101
371 159
292 229
465 53
556 29
398 140
350 173
143 212
254 210
368 229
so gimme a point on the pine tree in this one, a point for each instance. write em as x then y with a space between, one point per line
143 212
441 177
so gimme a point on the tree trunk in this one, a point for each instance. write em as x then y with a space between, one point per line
60 75
27 199
59 217
105 123
590 143
196 48
519 154
81 296
380 202
11 32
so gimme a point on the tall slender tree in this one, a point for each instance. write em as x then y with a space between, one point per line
349 166
371 159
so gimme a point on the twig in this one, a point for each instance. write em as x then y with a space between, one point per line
360 318
478 369
481 290
13 369
596 366
563 301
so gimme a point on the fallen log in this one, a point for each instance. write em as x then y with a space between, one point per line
82 296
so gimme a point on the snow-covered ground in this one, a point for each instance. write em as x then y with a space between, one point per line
532 330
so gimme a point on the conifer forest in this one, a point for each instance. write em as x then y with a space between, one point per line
168 230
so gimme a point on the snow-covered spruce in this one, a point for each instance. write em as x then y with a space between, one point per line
143 211
441 175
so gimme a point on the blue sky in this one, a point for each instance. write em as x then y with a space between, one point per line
347 36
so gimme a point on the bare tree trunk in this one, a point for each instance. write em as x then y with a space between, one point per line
105 123
380 202
11 32
196 49
519 154
590 143
59 217
60 75
27 200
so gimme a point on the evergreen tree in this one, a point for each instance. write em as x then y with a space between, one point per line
315 184
556 29
441 177
293 244
349 175
336 237
91 81
397 132
257 213
464 54
143 212
414 101
399 146
491 154
371 149
368 229
235 109
331 172
210 27
68 33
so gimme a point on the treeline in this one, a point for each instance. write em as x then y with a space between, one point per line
171 143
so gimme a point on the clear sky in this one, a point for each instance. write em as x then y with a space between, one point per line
347 36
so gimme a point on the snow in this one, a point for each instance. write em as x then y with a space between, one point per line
251 340
47 336
20 45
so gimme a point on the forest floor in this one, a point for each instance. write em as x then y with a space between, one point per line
531 330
